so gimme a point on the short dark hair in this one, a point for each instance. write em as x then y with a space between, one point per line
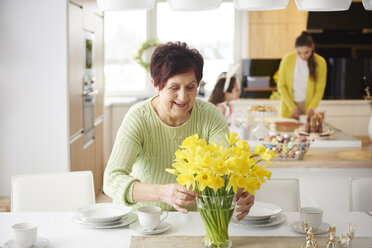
174 58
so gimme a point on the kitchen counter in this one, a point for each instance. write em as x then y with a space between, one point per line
330 158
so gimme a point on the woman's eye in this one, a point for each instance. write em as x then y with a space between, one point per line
173 88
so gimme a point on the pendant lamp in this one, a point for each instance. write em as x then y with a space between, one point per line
117 5
367 4
260 4
194 5
323 5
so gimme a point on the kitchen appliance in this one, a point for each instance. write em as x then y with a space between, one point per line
89 90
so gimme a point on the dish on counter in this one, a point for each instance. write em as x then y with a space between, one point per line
322 229
163 226
261 211
103 212
287 147
126 220
272 221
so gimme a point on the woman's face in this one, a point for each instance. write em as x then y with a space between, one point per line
304 52
177 97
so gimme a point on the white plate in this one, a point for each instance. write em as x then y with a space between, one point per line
164 226
103 212
39 243
262 211
272 221
126 220
297 226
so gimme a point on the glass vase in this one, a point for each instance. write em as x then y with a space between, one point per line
216 212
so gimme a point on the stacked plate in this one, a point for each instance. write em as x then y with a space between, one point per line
262 214
104 215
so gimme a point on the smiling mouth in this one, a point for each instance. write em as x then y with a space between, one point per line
180 105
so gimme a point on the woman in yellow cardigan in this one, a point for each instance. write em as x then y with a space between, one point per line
302 79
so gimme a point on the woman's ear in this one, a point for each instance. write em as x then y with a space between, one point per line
156 88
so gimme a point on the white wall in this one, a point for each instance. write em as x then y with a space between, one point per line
33 88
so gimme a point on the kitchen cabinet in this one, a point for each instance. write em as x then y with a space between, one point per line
272 34
84 17
76 68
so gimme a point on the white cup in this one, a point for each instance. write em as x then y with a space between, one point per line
25 234
313 216
149 217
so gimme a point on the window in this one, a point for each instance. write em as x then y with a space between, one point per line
206 31
125 31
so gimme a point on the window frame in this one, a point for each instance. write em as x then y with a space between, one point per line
239 48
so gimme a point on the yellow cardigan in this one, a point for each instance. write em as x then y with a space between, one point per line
314 92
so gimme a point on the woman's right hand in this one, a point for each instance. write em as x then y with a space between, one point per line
296 113
177 196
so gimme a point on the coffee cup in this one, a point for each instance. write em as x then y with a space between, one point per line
25 234
150 217
313 216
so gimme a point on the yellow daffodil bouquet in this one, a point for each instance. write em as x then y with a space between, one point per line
217 173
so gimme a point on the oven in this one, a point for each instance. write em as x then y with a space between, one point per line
89 90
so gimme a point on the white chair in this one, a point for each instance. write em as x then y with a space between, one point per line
360 194
284 192
52 191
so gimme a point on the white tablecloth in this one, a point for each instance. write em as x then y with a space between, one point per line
62 233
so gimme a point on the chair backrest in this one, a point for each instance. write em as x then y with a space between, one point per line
65 191
284 192
360 194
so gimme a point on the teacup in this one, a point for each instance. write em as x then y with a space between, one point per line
149 217
25 234
313 216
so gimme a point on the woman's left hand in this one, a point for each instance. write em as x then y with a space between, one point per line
244 201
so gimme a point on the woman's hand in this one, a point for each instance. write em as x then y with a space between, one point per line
296 113
244 201
177 196
310 112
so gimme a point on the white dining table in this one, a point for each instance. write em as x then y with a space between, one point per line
61 232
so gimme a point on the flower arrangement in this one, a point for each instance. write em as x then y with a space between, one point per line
144 47
217 173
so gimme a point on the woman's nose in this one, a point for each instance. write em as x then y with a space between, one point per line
182 94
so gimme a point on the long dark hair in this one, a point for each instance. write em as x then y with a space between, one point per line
218 95
305 40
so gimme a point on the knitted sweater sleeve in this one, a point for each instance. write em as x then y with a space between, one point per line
128 144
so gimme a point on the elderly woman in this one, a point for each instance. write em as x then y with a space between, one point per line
152 131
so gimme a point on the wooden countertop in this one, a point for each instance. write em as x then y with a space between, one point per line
330 158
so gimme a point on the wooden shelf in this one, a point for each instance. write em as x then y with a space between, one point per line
261 89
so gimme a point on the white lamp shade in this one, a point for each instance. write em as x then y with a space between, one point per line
117 5
260 4
323 5
367 4
194 5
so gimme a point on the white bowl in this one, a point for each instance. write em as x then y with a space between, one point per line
262 211
103 212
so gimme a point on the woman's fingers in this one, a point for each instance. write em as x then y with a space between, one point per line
245 203
179 209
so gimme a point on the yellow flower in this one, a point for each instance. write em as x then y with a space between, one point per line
268 154
187 180
233 138
233 182
220 167
259 150
216 183
204 179
252 184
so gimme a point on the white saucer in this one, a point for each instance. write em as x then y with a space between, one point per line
322 229
273 221
126 220
39 243
164 226
103 212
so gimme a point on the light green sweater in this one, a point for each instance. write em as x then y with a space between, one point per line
145 147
